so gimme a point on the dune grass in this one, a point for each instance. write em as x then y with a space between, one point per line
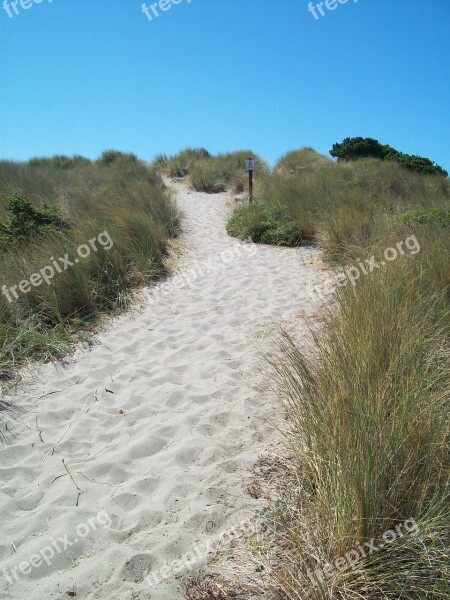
302 161
117 201
180 165
339 207
367 409
208 173
368 429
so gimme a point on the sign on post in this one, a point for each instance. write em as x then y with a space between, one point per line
250 164
250 168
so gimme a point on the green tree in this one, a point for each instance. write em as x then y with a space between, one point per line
358 147
420 164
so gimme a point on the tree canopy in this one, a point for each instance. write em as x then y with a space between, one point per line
358 147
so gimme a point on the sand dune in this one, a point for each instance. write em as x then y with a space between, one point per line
159 424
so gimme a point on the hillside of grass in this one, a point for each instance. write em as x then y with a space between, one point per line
211 174
302 161
367 428
338 207
112 220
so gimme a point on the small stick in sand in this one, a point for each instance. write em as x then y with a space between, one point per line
83 463
52 449
70 475
56 391
39 429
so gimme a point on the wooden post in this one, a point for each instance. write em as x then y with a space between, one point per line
250 169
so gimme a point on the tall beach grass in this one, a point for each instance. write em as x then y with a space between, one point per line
368 432
208 173
339 207
118 196
367 408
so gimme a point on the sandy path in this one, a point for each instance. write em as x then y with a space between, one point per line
167 451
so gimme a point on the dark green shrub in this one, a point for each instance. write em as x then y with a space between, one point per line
425 166
26 221
358 147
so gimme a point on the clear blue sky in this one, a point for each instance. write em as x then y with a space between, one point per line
81 76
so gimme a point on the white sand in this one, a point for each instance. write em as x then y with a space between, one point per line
169 453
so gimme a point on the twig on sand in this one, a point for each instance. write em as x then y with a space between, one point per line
98 482
39 429
64 474
94 455
70 475
167 446
56 391
52 449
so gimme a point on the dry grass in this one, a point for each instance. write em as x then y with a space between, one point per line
303 160
117 194
367 419
367 411
211 174
340 208
208 588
